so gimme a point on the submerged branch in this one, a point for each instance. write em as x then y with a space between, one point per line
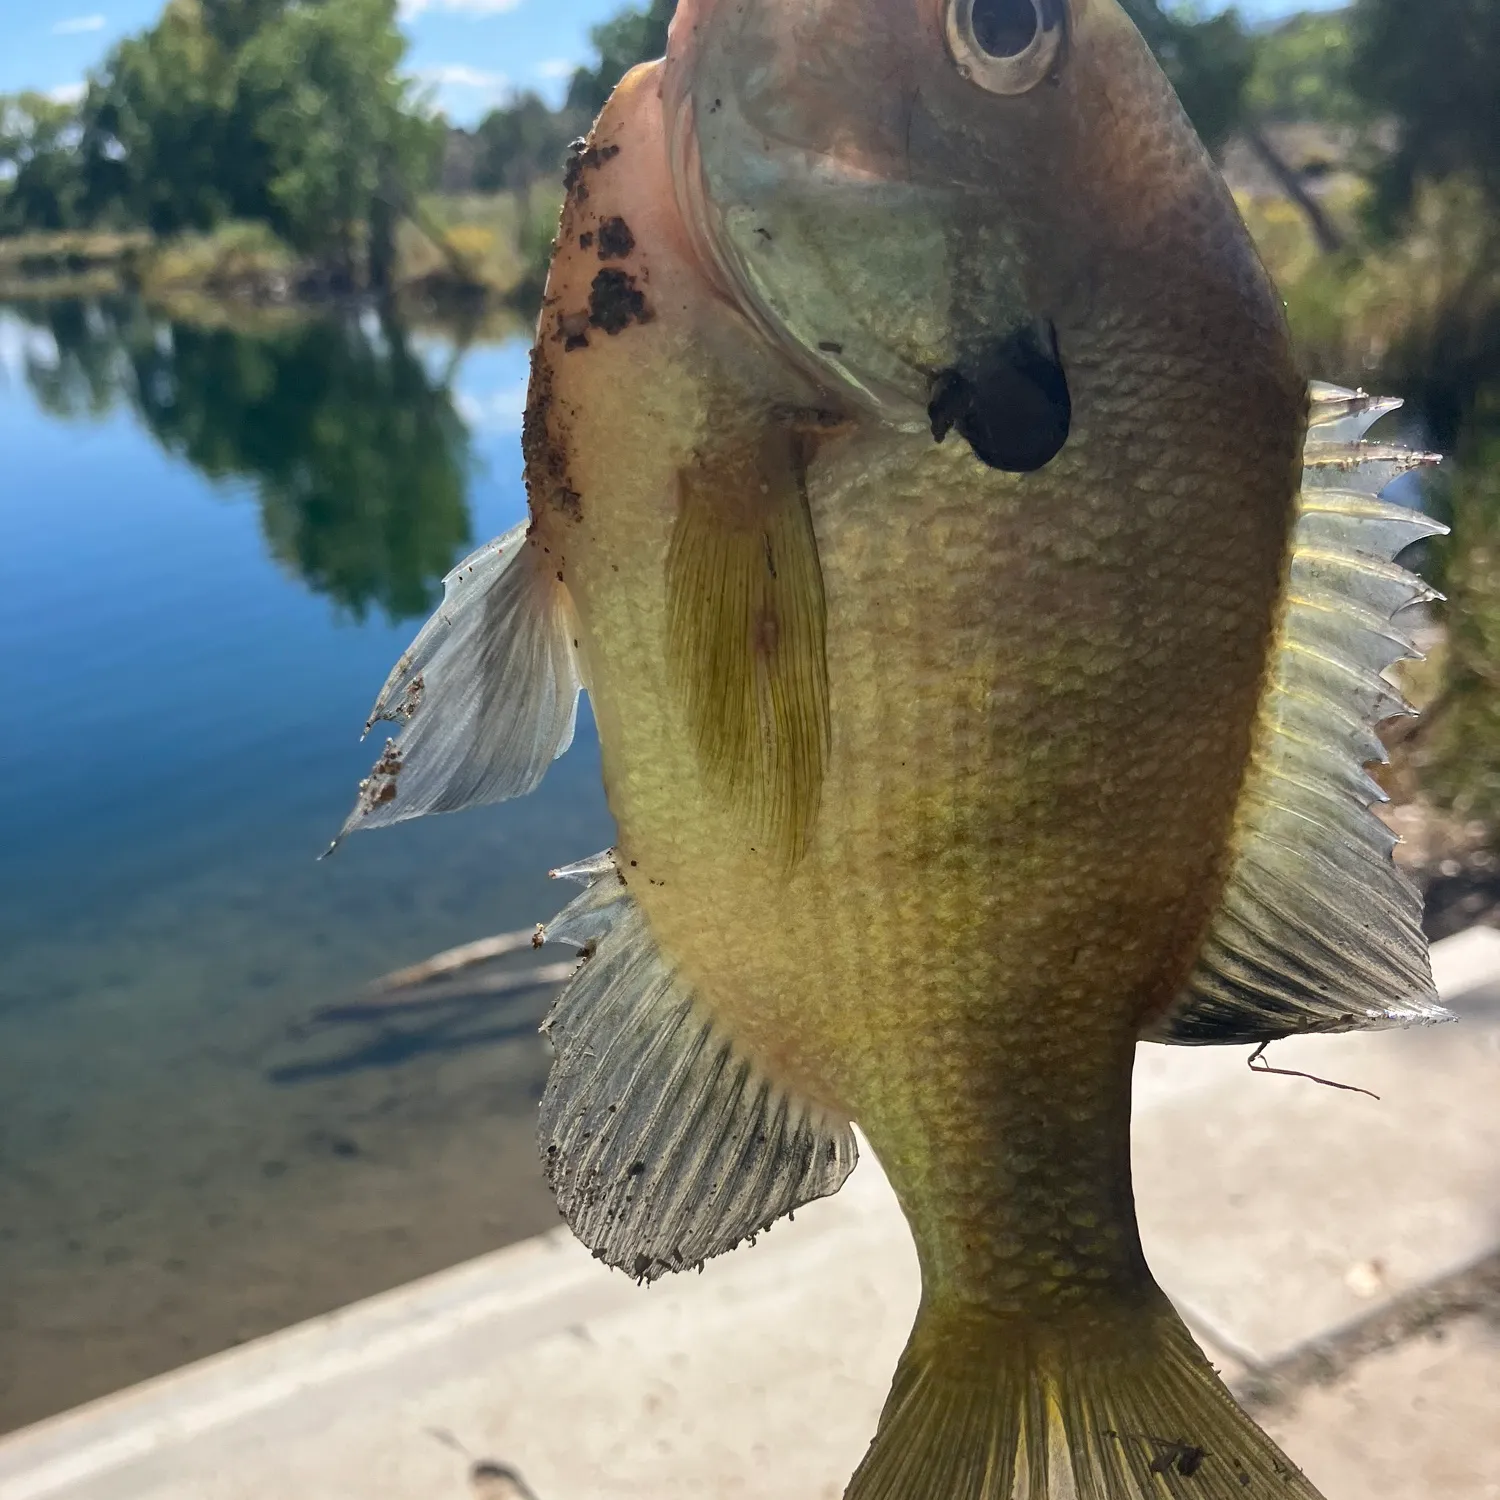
380 1006
452 960
442 977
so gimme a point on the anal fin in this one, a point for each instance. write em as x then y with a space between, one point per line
663 1144
1318 930
746 631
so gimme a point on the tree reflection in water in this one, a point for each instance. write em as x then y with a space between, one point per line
358 456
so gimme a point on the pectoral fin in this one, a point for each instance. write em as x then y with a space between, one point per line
746 627
488 692
1318 930
663 1143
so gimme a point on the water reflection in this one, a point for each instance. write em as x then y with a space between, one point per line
185 1162
355 448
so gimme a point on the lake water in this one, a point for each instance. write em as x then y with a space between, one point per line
214 547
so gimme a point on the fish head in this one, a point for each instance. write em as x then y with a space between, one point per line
920 198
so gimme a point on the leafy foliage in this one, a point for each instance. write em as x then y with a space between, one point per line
524 143
164 144
1461 768
292 114
633 36
38 147
1435 67
1304 71
334 121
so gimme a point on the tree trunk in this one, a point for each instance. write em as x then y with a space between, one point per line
1330 240
382 248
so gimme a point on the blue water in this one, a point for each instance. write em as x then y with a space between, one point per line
215 544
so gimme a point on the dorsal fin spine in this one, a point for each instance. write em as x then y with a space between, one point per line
1318 929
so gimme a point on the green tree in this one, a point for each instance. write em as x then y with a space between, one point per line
162 130
633 36
1435 67
232 23
1303 71
524 143
292 114
345 143
42 184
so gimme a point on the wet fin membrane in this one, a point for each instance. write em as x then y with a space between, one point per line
488 692
1318 930
746 634
1115 1407
663 1145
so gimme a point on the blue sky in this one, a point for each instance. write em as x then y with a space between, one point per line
471 51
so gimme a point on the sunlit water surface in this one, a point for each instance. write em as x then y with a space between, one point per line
215 546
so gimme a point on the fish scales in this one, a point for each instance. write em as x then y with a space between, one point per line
913 452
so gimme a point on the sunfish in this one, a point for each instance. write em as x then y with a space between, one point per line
986 625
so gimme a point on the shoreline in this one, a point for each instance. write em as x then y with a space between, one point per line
461 259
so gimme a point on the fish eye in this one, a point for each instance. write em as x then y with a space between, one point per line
1005 46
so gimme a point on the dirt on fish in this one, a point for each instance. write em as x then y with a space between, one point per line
615 239
615 302
545 451
585 157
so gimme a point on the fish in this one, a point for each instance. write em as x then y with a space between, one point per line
986 625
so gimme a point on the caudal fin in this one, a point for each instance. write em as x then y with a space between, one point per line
1080 1408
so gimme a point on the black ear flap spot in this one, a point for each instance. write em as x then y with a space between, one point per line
1009 402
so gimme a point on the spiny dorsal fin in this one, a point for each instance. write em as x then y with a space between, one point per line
488 692
1318 930
663 1144
746 624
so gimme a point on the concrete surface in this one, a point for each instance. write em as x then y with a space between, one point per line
1277 1212
1416 1422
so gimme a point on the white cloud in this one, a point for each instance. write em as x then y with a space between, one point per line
75 25
493 411
462 76
411 8
68 93
556 67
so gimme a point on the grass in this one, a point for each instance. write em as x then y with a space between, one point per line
458 255
501 240
1420 315
1423 307
235 260
69 248
74 263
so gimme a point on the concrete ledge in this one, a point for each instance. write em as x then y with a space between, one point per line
1274 1211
